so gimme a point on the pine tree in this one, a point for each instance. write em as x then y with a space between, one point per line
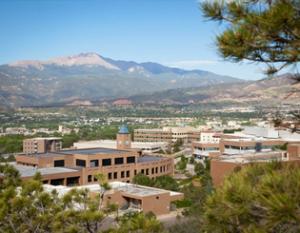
266 31
259 198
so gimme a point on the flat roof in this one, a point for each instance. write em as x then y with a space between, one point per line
93 151
252 157
148 158
40 138
47 154
29 171
126 188
257 139
137 190
112 144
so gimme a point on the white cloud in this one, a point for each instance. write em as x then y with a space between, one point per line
191 64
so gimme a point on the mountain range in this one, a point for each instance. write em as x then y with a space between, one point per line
91 77
275 91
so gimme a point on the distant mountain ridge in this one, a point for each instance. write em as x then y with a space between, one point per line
279 90
91 77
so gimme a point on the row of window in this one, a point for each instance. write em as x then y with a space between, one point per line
95 163
112 175
126 174
207 148
155 170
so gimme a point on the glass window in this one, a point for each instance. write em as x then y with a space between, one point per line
94 163
131 159
80 163
119 160
59 163
106 162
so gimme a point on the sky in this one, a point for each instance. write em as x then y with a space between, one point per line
170 32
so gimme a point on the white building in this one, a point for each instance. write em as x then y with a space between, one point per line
266 132
209 137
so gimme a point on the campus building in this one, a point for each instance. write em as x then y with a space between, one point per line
203 150
145 147
41 145
223 165
248 145
209 143
129 197
80 166
167 134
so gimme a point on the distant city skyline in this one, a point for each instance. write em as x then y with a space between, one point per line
172 33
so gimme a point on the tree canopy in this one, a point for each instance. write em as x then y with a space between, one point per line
259 198
26 207
162 182
266 31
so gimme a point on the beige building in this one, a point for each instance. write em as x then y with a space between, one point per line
167 134
41 145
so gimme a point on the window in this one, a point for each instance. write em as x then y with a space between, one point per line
152 170
59 163
122 174
119 160
115 175
135 172
142 171
106 162
127 173
95 179
147 171
109 176
131 159
161 169
80 163
156 170
89 178
94 163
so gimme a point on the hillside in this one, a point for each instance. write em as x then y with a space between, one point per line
276 90
91 77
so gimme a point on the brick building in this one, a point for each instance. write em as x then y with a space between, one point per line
223 165
80 167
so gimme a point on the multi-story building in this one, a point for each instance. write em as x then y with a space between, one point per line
203 150
223 165
167 134
152 135
41 145
145 147
247 145
208 143
210 137
80 167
